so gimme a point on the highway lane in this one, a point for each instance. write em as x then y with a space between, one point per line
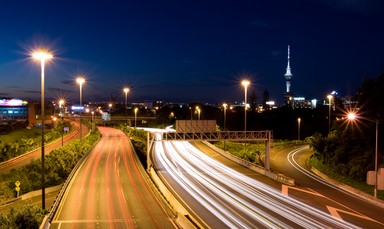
316 191
109 191
26 158
222 197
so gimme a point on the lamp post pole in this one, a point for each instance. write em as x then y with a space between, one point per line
225 115
126 90
376 157
352 116
298 128
61 102
329 113
191 112
245 83
225 121
80 81
135 116
42 56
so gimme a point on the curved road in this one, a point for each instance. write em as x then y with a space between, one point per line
316 191
223 195
26 158
109 191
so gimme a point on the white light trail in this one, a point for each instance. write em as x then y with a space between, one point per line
235 199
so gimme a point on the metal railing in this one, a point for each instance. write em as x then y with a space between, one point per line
265 135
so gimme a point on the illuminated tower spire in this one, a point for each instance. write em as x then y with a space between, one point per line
288 76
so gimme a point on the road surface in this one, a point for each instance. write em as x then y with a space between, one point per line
109 191
316 191
222 194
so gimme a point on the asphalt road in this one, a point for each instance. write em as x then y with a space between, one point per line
223 194
109 191
309 188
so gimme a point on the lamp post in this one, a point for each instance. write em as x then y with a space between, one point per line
225 115
197 110
80 81
352 116
225 120
61 103
329 114
298 128
190 108
135 115
42 55
93 120
126 90
245 83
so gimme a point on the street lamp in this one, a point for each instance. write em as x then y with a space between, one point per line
135 115
225 115
352 116
298 128
190 108
126 90
61 103
329 114
93 120
198 112
42 55
80 81
245 83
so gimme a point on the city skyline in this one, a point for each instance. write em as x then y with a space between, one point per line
189 52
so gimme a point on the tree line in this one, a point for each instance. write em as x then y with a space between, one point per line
349 148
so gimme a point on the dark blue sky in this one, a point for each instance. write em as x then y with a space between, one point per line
190 51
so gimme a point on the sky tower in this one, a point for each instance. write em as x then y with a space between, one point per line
288 95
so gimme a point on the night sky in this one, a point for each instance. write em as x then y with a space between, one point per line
190 51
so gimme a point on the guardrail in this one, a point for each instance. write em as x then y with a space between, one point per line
265 135
259 169
47 220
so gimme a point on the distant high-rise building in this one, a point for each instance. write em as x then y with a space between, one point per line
288 95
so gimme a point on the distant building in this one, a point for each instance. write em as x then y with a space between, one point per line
34 114
13 110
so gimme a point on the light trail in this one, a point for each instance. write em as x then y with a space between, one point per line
235 199
297 166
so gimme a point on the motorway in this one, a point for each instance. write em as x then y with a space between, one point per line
222 194
110 191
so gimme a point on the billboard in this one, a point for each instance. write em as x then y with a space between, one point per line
12 102
195 126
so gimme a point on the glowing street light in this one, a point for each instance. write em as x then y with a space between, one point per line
330 97
353 116
61 103
80 81
126 90
136 115
245 83
225 115
198 112
298 128
42 55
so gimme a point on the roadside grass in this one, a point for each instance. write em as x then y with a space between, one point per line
253 151
17 134
362 186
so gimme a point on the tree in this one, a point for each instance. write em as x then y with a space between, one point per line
265 96
349 149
